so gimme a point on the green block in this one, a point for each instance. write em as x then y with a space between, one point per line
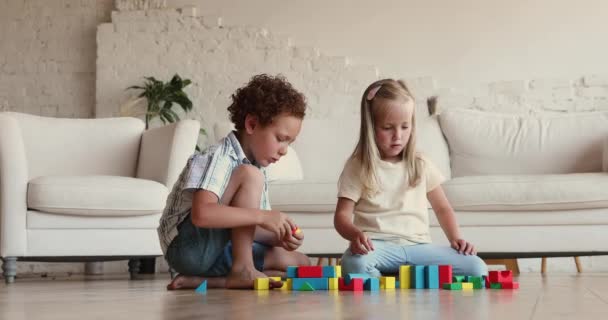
495 285
458 279
306 287
478 282
452 286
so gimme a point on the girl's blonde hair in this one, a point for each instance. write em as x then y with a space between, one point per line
366 152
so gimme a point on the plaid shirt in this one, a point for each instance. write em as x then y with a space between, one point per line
209 170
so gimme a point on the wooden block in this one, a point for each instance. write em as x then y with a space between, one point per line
453 286
387 282
306 287
445 274
486 279
417 279
349 277
458 279
398 284
338 271
316 283
329 272
202 288
467 286
501 276
287 285
333 283
431 277
310 272
371 284
509 285
478 282
355 285
292 272
495 285
405 277
261 284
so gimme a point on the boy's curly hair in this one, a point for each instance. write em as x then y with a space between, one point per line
266 97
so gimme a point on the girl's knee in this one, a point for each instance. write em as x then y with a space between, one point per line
474 266
354 263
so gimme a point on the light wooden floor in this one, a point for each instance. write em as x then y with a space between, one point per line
554 296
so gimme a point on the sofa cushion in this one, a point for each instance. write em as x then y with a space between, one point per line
483 143
96 195
528 192
303 197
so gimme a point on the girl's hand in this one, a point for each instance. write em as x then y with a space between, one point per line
361 244
463 247
293 240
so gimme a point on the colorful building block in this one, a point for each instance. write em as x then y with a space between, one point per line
431 276
333 283
387 282
397 284
417 279
405 277
316 283
306 287
478 282
292 272
261 284
495 285
338 271
445 274
501 276
453 286
349 277
509 285
329 272
371 284
458 279
486 279
287 285
310 272
202 288
355 285
467 286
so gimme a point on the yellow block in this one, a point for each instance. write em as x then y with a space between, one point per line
404 277
338 271
261 284
467 286
333 283
286 285
387 282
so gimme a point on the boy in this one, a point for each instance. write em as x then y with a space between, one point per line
217 224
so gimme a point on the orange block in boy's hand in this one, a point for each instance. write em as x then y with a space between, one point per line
296 230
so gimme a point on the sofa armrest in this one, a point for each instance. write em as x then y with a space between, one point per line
165 150
605 160
13 189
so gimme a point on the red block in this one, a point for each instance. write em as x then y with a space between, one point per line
355 285
510 285
487 281
445 275
501 276
310 272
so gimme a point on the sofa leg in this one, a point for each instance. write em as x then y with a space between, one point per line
543 265
134 268
579 268
9 269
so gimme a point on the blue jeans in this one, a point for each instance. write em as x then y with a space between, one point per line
206 252
387 257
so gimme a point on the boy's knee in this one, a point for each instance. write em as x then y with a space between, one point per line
248 173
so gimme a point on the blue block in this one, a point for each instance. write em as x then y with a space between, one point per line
397 284
351 276
317 283
417 277
202 288
431 274
329 272
372 284
292 272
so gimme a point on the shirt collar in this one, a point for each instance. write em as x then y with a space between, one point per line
237 151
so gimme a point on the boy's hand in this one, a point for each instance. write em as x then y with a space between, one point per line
361 244
463 247
293 240
278 223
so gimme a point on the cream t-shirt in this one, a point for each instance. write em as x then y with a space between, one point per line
398 212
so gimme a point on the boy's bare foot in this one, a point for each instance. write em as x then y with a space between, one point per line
192 282
243 279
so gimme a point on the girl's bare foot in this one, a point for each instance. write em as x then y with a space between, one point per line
243 279
192 282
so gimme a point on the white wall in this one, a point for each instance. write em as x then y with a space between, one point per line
456 42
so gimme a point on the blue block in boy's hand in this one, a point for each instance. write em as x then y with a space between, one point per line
351 276
202 288
292 272
372 284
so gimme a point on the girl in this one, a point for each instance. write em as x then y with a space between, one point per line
386 184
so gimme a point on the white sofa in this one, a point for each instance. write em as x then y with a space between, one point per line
521 185
77 188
